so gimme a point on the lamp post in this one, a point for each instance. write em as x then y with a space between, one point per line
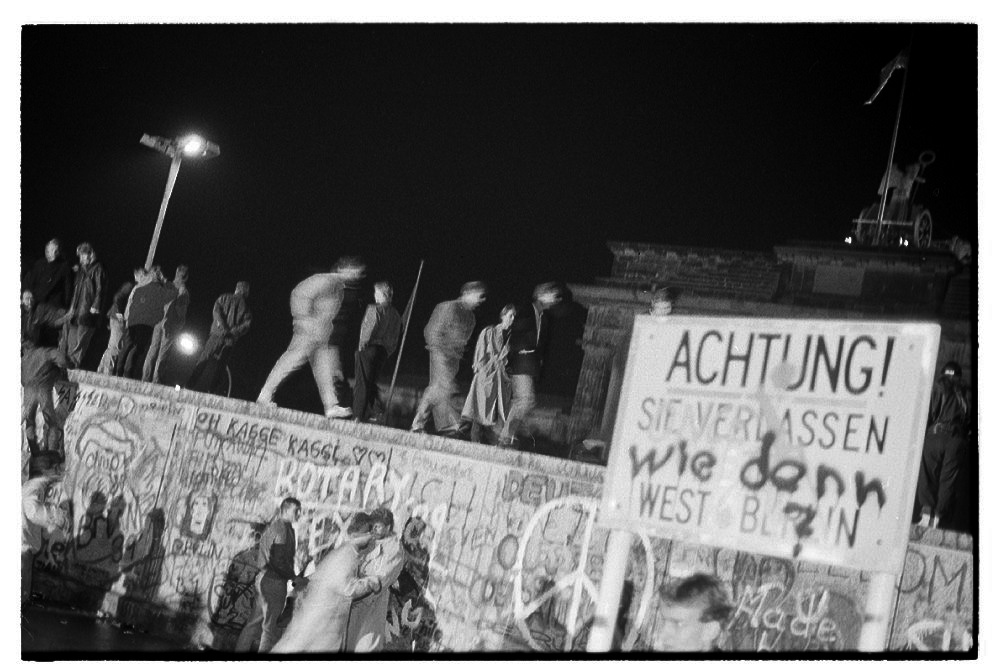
190 146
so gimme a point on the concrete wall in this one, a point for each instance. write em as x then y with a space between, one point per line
171 489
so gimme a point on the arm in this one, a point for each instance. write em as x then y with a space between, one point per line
369 323
130 300
436 325
219 317
480 360
100 280
303 295
50 316
274 534
242 327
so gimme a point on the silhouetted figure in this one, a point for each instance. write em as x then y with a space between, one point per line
377 342
50 278
145 308
86 310
166 332
115 322
232 320
488 398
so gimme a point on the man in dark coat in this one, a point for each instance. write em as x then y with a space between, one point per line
50 278
232 320
528 341
85 311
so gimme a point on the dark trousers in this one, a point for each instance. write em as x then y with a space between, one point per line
942 453
212 361
134 348
368 364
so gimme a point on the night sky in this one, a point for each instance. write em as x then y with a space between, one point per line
506 153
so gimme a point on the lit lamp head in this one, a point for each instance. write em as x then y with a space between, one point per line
188 344
193 146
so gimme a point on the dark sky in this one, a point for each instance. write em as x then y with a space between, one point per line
507 153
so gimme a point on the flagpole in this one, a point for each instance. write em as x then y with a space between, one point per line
892 151
408 313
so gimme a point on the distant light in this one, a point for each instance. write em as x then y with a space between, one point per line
193 145
178 388
188 343
848 240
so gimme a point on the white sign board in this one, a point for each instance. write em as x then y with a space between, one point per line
793 438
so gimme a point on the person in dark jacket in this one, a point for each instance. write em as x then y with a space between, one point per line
528 341
232 320
115 322
50 278
88 296
943 445
447 334
377 342
41 368
145 308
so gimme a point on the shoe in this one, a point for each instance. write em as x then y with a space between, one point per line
338 412
512 442
418 430
266 404
453 434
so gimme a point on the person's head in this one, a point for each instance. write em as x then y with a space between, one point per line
548 294
139 273
952 369
27 299
182 274
382 522
53 249
692 615
289 510
507 315
473 294
156 273
383 292
352 269
360 530
86 253
661 301
242 288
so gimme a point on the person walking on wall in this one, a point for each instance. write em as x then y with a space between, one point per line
377 342
446 334
276 556
115 322
314 304
488 398
528 341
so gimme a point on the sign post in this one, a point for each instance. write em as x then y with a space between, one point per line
792 438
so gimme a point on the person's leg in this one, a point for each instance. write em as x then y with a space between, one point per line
928 482
324 361
296 354
432 395
27 566
446 418
151 359
273 592
141 335
253 626
363 379
127 344
53 425
109 360
164 349
948 477
522 401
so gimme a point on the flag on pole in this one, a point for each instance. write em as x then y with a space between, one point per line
901 61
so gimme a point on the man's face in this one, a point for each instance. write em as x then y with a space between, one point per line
380 530
86 258
380 295
353 273
27 300
549 299
680 629
474 299
51 251
506 320
660 307
292 514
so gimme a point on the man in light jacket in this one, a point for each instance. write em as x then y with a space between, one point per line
145 308
320 624
315 304
367 622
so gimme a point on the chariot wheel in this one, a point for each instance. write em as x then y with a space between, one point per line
923 229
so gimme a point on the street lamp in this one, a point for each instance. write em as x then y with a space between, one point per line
189 146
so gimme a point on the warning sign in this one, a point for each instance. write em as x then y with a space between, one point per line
791 438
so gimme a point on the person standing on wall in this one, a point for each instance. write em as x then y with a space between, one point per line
528 341
488 398
384 562
145 308
50 279
276 556
377 342
115 322
943 446
315 304
447 333
85 310
232 320
167 330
